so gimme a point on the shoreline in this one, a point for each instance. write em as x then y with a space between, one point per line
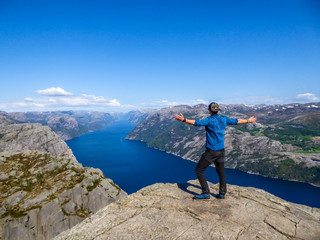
290 180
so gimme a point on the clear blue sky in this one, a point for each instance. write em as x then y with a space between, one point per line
121 55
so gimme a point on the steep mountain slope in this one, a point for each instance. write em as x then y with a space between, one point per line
135 116
43 189
67 124
268 147
167 211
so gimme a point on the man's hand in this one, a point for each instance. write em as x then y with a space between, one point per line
252 119
179 117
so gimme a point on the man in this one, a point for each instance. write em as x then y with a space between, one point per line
215 128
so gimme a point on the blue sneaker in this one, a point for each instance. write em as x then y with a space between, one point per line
219 196
203 196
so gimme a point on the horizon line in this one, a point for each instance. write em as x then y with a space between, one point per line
159 108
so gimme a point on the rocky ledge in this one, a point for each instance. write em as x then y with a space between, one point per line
44 190
167 211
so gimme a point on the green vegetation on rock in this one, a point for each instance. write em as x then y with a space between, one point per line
80 212
16 212
286 169
95 184
26 173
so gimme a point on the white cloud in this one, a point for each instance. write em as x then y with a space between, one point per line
39 105
253 100
307 97
166 103
114 103
22 104
54 91
270 100
28 99
87 100
65 102
199 101
128 106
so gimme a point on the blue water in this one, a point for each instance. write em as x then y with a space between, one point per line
132 165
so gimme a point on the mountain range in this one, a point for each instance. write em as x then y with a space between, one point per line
71 124
283 143
44 191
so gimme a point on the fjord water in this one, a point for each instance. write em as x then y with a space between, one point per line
132 165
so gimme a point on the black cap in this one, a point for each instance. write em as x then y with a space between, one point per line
214 107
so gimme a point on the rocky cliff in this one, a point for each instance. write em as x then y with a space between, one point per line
167 211
43 189
269 148
67 124
136 116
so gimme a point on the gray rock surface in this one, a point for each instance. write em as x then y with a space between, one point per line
167 211
64 125
5 121
44 190
32 136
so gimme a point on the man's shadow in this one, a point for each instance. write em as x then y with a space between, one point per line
184 187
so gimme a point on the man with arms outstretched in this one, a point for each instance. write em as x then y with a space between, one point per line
215 128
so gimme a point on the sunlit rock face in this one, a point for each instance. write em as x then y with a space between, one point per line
167 211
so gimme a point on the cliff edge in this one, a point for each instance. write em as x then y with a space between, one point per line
44 190
167 211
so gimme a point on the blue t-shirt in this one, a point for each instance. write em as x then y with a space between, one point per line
215 128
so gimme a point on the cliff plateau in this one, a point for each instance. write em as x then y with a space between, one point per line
167 211
44 190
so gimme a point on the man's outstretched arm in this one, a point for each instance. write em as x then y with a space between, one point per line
192 122
244 121
182 119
